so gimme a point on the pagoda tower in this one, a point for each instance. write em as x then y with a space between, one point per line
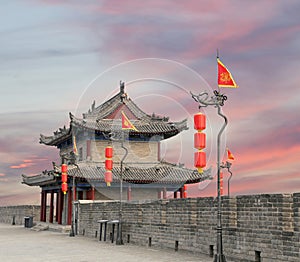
82 146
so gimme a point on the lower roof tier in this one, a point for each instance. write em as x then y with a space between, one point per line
158 173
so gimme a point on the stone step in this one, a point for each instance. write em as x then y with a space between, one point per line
41 226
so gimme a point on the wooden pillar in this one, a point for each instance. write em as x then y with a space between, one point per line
158 194
80 195
51 207
42 205
129 193
181 192
164 193
175 194
59 207
69 218
56 207
93 193
88 149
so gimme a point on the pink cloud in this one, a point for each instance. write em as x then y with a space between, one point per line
1 175
26 163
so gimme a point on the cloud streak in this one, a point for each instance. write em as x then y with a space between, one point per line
57 47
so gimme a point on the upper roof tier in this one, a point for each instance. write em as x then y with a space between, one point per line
107 117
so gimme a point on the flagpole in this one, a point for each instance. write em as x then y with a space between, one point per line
219 257
119 240
217 64
75 153
217 101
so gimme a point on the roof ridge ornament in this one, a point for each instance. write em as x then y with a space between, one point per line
123 95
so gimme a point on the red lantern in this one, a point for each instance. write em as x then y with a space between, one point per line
64 168
108 164
221 183
199 140
108 152
64 187
108 177
64 178
199 121
200 160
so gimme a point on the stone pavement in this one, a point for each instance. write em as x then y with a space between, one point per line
22 244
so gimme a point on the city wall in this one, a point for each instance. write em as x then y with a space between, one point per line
255 228
16 214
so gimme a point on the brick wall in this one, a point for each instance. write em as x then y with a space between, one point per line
19 212
265 226
137 151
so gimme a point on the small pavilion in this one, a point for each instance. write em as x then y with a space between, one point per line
143 173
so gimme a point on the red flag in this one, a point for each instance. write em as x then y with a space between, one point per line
75 151
225 78
230 156
126 124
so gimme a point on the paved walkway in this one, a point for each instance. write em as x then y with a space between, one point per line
22 244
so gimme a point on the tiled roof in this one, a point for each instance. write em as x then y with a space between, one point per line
158 173
45 178
58 136
107 117
143 126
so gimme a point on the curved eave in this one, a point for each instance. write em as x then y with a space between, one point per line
39 180
56 139
167 129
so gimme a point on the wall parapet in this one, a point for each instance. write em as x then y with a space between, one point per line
265 225
16 214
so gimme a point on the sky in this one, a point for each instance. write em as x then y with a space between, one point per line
59 56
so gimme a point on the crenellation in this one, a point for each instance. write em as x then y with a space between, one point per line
268 224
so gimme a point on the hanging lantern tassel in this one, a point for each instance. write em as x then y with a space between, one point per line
199 141
200 160
64 187
108 177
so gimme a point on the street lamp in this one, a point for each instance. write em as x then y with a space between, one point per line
228 165
119 136
217 100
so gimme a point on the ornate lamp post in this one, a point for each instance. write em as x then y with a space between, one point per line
119 136
228 165
217 101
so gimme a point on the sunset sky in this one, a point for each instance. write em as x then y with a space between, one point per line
58 56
